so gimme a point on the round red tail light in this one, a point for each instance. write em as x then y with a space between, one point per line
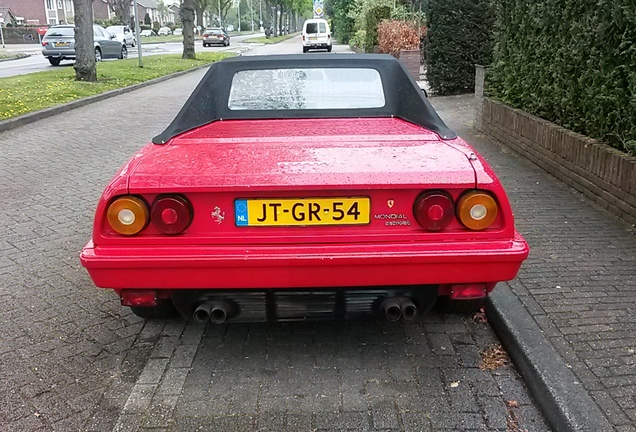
434 210
171 214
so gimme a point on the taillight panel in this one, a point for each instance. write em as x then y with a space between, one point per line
474 209
130 215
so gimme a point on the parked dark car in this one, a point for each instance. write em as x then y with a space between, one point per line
59 44
215 36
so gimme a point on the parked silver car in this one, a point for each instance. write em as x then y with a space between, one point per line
59 44
123 34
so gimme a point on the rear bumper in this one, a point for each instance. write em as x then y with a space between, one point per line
316 44
59 54
303 266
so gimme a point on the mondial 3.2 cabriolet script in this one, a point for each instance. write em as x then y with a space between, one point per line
304 187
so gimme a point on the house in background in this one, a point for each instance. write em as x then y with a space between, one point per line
49 12
151 7
148 7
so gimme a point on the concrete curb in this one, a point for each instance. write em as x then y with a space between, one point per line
566 405
25 119
17 57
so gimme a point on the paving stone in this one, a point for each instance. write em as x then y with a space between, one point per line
582 262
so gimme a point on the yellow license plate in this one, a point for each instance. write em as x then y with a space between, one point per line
302 211
313 38
62 44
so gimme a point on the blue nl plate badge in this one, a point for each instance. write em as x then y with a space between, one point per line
240 212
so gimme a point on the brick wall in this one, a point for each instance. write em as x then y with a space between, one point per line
411 61
602 173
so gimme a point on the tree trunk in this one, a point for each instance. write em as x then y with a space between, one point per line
85 69
121 9
280 21
187 16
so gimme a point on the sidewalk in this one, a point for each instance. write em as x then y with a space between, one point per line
23 48
579 283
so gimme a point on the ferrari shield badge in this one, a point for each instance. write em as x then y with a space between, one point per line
390 203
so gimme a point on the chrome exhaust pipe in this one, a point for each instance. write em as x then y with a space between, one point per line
219 313
409 310
392 309
202 314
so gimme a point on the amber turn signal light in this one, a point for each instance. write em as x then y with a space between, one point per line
128 215
477 210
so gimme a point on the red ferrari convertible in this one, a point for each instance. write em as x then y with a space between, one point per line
304 187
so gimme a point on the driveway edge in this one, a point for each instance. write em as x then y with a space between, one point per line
565 403
32 117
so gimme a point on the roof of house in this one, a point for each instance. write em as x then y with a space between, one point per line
148 4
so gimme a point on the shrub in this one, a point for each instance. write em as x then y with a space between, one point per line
394 36
571 62
358 39
156 26
373 18
460 35
342 24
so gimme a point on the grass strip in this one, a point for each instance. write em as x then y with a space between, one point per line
160 39
32 92
271 40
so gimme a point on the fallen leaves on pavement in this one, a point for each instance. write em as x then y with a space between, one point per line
494 357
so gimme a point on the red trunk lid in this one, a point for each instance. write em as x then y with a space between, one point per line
274 155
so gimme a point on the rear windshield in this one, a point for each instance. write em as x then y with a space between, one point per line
216 31
61 31
312 28
298 89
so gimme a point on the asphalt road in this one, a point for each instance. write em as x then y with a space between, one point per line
74 359
38 63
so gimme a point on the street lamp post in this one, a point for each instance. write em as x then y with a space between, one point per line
137 36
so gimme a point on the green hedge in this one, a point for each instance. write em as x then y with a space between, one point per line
342 25
572 62
373 18
460 35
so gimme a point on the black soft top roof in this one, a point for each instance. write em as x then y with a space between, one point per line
209 100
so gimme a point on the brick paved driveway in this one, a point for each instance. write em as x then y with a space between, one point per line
73 359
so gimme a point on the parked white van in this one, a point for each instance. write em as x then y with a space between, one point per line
316 35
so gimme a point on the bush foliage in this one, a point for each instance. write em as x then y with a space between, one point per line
342 25
373 18
572 62
460 35
394 36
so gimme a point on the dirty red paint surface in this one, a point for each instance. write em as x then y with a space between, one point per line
388 160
